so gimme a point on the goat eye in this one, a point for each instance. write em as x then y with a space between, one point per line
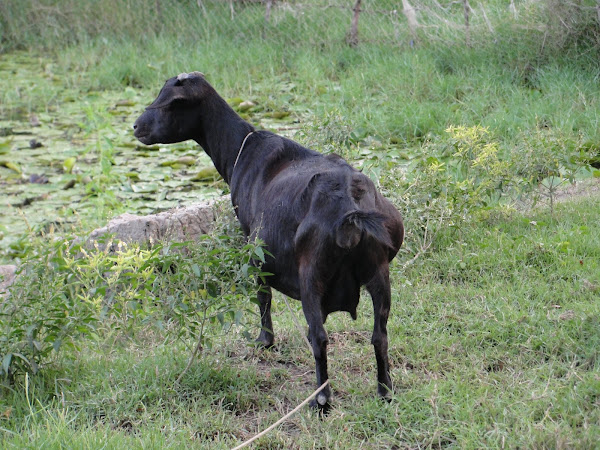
178 102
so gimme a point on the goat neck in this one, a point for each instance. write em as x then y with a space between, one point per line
221 133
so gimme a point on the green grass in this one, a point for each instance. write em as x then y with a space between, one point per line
494 331
391 91
493 343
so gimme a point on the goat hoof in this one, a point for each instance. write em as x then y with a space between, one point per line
264 342
322 409
385 393
386 398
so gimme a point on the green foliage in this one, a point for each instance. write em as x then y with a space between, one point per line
538 29
493 340
547 160
493 336
208 283
67 293
467 176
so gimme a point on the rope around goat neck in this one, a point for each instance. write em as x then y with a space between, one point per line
241 149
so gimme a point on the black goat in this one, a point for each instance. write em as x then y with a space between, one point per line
328 229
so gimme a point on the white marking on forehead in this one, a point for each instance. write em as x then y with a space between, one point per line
185 76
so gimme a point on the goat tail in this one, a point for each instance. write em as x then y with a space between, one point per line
352 226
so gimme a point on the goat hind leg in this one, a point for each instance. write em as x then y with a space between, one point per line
266 336
379 289
318 339
311 306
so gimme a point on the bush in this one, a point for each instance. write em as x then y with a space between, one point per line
65 294
466 174
547 159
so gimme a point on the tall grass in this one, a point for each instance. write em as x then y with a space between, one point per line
390 85
493 336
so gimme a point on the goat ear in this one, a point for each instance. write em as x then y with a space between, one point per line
166 101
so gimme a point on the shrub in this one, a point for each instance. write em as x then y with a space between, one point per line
466 174
66 293
547 159
452 179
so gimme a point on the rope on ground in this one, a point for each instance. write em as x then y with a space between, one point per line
284 418
297 408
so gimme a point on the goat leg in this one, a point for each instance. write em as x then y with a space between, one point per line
311 306
266 336
379 289
319 341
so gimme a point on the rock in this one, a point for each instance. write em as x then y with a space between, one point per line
7 277
179 225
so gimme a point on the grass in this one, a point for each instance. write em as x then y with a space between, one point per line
493 343
494 331
382 87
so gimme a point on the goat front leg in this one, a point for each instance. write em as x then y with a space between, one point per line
266 336
379 289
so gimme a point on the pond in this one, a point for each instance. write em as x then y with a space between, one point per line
69 157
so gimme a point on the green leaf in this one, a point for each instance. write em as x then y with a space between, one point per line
68 164
196 270
6 362
258 253
187 160
147 188
206 174
235 101
134 176
5 146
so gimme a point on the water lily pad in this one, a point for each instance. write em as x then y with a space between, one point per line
6 146
125 103
245 106
134 176
278 114
179 162
148 148
187 160
146 188
235 101
206 174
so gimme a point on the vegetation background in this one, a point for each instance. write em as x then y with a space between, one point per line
474 117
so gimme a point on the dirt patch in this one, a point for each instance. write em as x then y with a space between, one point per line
580 189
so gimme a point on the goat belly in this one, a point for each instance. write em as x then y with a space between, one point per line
281 263
342 294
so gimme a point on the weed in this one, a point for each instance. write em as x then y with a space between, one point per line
68 293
